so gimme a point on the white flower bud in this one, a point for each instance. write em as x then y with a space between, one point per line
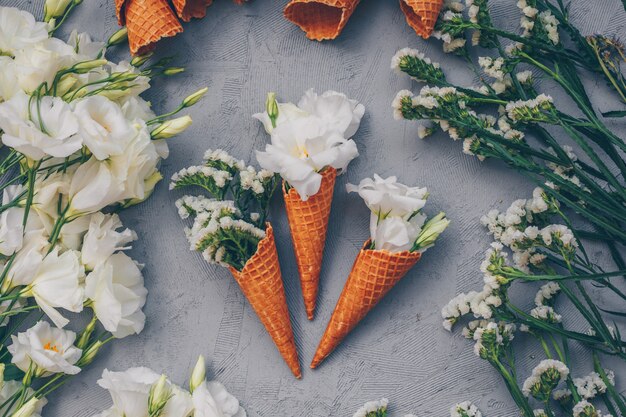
171 128
198 375
27 409
195 97
118 37
55 8
160 393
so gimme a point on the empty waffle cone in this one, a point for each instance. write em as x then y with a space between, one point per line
119 12
308 221
320 19
373 274
421 15
262 284
147 22
188 9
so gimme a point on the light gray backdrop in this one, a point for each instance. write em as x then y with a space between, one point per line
400 351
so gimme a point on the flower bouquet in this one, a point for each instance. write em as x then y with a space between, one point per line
400 234
141 392
79 142
309 146
234 233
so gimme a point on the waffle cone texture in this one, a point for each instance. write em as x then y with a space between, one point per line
262 284
421 15
148 21
189 9
308 222
373 274
320 19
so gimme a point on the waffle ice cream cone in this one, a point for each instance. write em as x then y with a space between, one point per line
262 284
320 19
188 9
421 15
373 274
308 221
147 22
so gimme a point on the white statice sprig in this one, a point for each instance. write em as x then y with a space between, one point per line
544 379
465 409
227 226
373 409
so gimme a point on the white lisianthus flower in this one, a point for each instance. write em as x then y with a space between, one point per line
11 228
103 128
54 133
135 107
134 169
117 290
129 390
57 284
395 234
286 113
19 30
387 197
84 46
338 112
93 187
40 62
211 399
27 260
8 78
301 148
103 239
49 349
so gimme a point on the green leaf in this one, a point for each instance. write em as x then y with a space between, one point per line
615 113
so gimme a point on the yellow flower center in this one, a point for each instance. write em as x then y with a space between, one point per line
50 346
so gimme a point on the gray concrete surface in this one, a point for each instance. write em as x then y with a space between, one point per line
400 351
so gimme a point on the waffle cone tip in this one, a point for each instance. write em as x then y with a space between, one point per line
308 223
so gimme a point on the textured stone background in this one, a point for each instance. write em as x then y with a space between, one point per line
400 351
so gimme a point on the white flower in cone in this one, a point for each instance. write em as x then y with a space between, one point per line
286 113
19 30
103 128
117 290
395 234
103 239
387 197
301 148
11 228
57 284
338 112
54 133
49 349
